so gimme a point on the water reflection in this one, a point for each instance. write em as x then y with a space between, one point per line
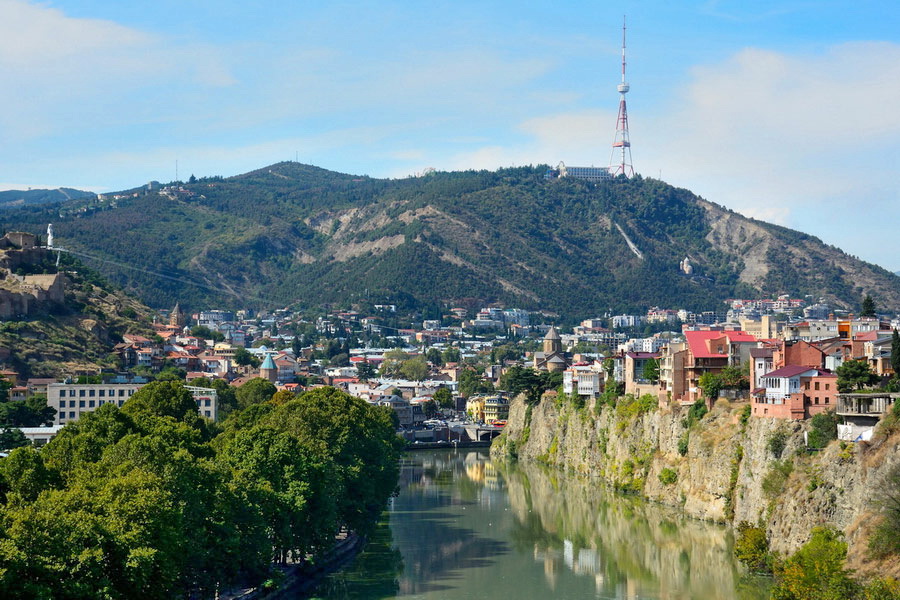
464 527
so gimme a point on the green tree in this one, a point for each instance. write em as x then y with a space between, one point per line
443 397
255 391
823 429
895 354
430 408
471 382
205 333
163 399
243 358
434 357
365 371
451 354
32 412
868 307
12 438
752 548
414 368
711 384
816 571
855 374
651 370
393 360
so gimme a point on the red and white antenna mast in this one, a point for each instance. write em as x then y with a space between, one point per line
622 141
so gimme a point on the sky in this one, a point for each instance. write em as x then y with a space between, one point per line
784 111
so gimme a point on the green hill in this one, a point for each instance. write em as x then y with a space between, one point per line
292 233
15 198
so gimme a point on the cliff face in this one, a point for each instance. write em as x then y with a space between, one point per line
727 472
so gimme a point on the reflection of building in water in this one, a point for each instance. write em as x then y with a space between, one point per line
475 472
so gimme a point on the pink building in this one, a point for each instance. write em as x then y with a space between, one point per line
795 392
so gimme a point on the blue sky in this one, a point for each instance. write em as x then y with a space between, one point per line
785 111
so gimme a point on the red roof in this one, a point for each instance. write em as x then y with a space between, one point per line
869 336
794 370
697 341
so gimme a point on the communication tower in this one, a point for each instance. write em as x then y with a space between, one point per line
622 142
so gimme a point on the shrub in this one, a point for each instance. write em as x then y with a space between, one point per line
668 476
745 416
773 482
816 571
823 429
777 442
697 411
752 548
683 443
885 540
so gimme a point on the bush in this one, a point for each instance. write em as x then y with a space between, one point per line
683 443
777 442
773 482
668 476
752 548
697 411
823 429
745 416
816 571
885 540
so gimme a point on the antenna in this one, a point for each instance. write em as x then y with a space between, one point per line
622 141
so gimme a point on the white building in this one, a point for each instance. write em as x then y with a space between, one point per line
71 400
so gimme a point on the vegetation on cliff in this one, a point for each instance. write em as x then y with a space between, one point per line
151 501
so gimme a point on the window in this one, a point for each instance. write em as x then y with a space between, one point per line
827 385
81 404
102 402
92 393
91 404
817 385
71 393
101 393
207 402
71 414
121 402
62 404
62 416
71 404
62 393
81 393
817 399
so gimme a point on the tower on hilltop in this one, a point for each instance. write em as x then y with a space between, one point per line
622 142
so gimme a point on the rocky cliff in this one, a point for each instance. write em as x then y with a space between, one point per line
721 468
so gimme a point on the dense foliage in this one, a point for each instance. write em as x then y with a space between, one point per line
148 502
271 237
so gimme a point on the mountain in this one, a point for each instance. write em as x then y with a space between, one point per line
295 233
14 198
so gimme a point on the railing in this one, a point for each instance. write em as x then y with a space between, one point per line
865 404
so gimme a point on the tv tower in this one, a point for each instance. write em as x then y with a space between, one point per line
622 141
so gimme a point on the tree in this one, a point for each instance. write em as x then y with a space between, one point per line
205 333
736 377
393 359
651 370
243 358
895 354
470 382
752 548
823 429
444 397
163 399
434 357
32 412
816 571
855 374
451 354
12 438
868 307
414 368
365 371
255 391
711 384
430 408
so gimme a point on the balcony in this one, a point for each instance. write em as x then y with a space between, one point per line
868 405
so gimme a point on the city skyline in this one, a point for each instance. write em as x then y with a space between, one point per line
783 111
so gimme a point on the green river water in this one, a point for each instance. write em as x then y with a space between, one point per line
463 526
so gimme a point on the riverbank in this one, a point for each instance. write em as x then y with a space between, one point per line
721 468
298 580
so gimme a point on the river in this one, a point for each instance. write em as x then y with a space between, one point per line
463 526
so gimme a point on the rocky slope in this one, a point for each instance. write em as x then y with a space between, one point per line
721 475
295 233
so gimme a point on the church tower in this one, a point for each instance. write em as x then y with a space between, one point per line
552 342
176 318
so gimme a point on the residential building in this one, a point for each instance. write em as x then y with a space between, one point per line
795 392
71 400
585 379
496 408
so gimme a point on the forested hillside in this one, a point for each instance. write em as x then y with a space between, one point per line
293 233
